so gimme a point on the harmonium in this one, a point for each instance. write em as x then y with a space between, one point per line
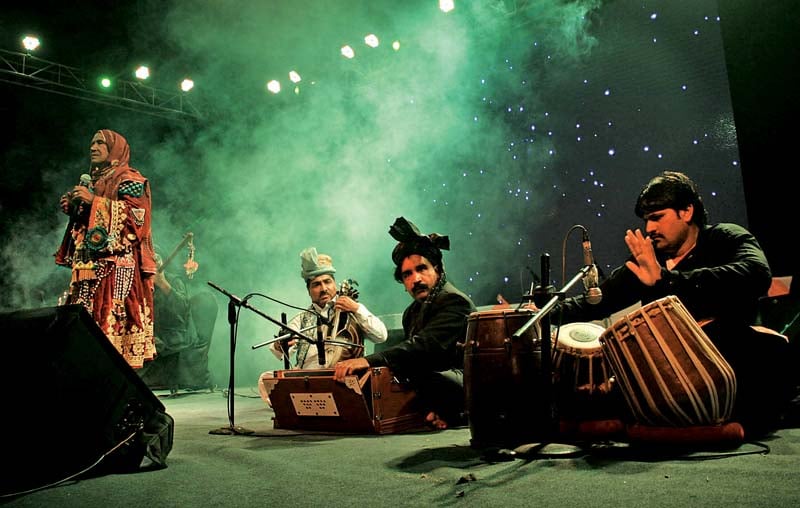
374 403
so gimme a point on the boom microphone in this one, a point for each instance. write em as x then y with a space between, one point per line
591 281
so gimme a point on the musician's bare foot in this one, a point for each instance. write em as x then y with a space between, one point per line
436 422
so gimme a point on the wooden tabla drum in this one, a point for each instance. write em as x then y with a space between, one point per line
501 378
583 382
667 368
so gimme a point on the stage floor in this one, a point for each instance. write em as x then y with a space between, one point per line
431 468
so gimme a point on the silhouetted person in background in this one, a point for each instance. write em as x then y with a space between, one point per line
184 327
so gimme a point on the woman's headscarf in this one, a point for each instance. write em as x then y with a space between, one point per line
119 151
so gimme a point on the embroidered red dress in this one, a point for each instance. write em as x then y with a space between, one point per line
109 247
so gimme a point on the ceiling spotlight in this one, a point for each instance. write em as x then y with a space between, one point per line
446 5
371 40
274 86
30 42
396 45
187 84
142 72
295 77
348 52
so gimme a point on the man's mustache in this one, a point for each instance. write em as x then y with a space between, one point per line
419 286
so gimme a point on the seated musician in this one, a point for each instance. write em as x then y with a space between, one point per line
433 324
184 327
718 272
329 307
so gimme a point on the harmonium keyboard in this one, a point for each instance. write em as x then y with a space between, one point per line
373 403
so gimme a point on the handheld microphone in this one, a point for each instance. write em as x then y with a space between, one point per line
591 281
76 207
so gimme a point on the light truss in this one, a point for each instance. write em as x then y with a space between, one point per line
26 70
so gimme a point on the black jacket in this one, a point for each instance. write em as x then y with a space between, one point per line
723 277
432 331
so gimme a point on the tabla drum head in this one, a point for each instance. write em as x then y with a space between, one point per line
579 335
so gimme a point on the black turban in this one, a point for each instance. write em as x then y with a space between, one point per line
411 241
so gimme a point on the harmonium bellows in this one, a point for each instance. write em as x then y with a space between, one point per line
373 403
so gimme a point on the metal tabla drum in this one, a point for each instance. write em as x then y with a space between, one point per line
502 376
669 371
583 382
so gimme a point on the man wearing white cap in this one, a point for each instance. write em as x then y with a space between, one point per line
355 321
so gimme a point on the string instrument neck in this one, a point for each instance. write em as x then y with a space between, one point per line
343 329
339 322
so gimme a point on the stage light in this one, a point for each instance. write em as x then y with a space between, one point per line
396 45
274 86
371 40
142 72
105 82
295 77
30 42
187 84
348 52
446 5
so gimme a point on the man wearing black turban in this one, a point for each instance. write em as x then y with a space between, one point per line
433 324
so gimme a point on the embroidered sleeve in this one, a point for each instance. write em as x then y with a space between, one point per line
131 188
115 224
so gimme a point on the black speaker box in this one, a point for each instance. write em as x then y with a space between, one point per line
71 403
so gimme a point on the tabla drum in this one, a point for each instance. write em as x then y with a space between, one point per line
501 376
583 382
668 370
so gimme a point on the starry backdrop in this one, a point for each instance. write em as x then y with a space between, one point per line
501 124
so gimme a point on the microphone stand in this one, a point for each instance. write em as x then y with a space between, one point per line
289 332
546 299
558 295
292 331
234 302
287 362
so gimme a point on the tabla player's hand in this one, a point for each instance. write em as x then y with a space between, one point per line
644 264
347 367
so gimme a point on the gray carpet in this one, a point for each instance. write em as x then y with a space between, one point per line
434 468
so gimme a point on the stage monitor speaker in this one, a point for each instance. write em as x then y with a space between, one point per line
69 400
